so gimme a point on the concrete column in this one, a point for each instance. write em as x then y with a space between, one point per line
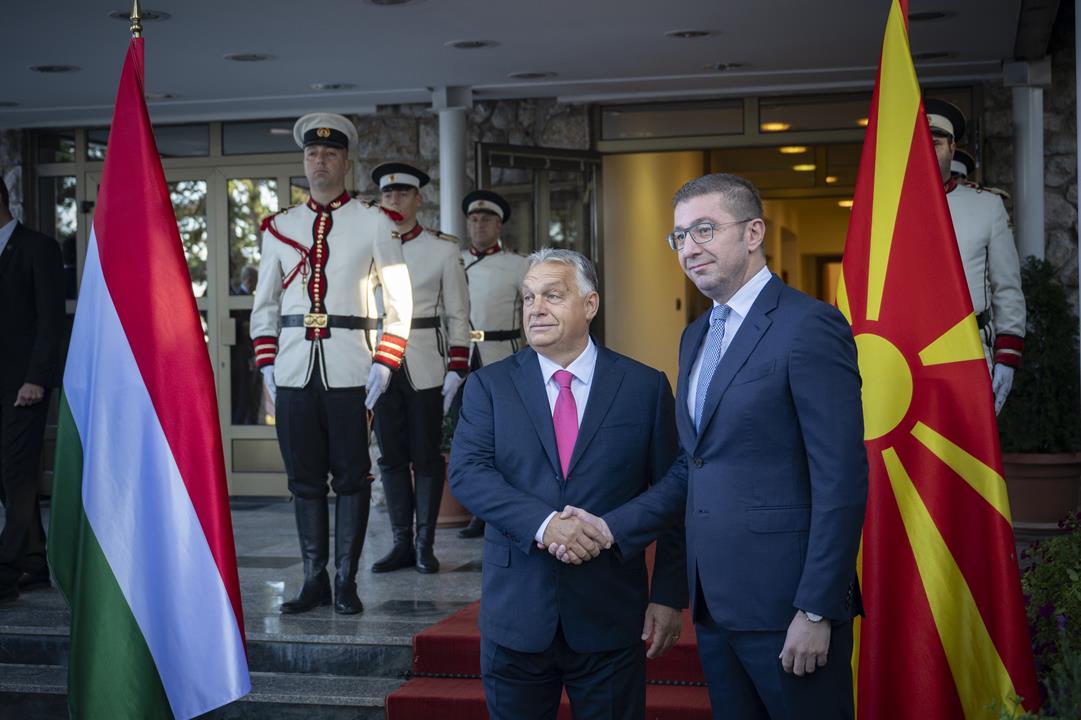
1028 79
452 103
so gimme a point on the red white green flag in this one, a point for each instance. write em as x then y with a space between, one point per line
141 540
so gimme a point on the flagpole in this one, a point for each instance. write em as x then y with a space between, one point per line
136 20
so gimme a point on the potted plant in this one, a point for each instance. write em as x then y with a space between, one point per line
1040 425
451 512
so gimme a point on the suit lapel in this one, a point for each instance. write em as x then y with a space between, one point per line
529 385
607 377
692 340
751 330
11 248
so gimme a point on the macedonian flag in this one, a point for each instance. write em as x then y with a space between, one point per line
944 634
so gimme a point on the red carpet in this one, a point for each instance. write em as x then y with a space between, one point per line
452 647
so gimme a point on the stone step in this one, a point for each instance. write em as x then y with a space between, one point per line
39 692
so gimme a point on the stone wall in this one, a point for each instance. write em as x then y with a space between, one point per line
11 168
1060 147
410 133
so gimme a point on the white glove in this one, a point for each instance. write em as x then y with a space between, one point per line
451 383
268 382
378 379
1001 383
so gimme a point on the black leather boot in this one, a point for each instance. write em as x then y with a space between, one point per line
313 530
350 525
429 496
398 486
474 529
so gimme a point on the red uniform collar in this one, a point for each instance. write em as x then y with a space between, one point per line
951 185
490 251
417 230
332 205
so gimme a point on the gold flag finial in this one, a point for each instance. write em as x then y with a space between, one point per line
136 20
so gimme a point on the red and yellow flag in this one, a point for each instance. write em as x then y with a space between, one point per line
944 635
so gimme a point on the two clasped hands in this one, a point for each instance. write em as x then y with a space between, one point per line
575 536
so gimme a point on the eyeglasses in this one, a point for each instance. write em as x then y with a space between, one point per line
701 233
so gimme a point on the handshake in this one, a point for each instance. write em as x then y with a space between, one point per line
576 536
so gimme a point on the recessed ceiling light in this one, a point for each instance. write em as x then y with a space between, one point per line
774 126
471 44
831 179
249 57
930 15
331 87
153 97
687 34
792 149
725 67
8 104
932 55
804 167
144 15
532 75
863 122
844 203
55 69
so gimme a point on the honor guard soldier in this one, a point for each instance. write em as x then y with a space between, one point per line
988 254
495 277
309 324
409 415
963 166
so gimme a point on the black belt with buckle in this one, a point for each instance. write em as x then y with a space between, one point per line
494 335
426 323
322 320
983 319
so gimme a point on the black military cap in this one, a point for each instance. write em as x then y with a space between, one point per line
945 118
399 175
486 201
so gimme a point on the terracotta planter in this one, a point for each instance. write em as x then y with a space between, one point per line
451 512
1043 487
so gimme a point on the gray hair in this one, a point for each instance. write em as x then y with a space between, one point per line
740 195
583 268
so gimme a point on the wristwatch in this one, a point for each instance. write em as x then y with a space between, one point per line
812 617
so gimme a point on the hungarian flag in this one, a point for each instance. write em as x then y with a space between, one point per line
944 634
141 541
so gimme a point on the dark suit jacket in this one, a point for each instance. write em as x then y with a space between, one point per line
505 468
774 485
31 310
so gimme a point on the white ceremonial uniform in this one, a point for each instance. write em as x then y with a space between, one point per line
495 299
991 267
320 260
439 291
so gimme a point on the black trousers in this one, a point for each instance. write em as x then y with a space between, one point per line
22 541
527 686
409 424
323 431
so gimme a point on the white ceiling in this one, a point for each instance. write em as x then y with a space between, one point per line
602 50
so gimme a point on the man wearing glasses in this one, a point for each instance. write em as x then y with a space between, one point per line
771 475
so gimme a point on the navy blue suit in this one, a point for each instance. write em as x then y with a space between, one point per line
772 489
504 467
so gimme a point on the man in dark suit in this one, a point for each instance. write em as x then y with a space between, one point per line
561 422
772 473
31 323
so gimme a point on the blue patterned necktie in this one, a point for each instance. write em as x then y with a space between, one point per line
711 358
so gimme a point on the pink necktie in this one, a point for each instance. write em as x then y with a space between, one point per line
565 419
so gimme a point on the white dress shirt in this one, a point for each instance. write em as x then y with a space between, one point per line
581 368
6 231
740 304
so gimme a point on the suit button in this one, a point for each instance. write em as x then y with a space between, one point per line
698 462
